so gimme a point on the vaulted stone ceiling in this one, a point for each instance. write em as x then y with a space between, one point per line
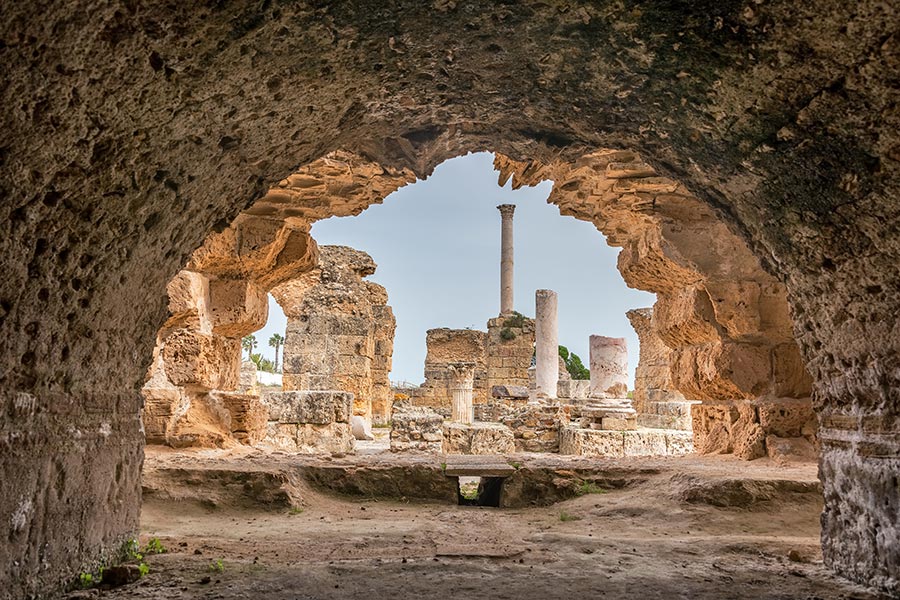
130 132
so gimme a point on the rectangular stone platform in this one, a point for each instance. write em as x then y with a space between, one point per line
667 415
619 444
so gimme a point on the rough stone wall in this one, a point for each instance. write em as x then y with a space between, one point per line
509 347
651 378
340 330
382 395
444 347
309 422
122 150
416 428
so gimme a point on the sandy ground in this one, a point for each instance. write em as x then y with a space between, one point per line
644 541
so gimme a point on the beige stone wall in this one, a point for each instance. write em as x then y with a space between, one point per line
509 346
446 346
340 331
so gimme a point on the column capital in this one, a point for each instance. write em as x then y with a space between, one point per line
506 210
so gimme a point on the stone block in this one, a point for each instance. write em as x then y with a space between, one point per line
477 438
237 307
310 438
644 443
201 361
316 407
509 391
794 449
785 417
248 415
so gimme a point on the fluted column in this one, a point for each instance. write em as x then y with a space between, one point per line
546 343
462 378
506 258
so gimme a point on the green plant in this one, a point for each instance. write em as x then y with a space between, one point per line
564 517
295 510
86 580
469 491
143 568
131 551
443 466
574 365
589 487
517 320
154 546
516 465
217 566
507 334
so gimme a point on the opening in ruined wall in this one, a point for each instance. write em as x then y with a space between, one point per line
719 333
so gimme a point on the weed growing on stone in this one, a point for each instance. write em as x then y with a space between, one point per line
565 517
217 566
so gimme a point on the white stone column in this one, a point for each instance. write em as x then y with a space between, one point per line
546 343
609 367
462 378
506 258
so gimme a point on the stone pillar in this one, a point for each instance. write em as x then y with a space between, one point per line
546 336
506 258
609 367
462 376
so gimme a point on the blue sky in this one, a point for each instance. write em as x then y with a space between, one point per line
437 245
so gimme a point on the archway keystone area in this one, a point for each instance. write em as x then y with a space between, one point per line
131 133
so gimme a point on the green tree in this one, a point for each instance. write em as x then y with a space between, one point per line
276 341
263 364
573 364
248 343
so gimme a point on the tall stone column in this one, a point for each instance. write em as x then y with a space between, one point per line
506 258
462 377
546 343
609 367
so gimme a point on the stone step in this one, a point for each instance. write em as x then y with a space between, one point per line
651 421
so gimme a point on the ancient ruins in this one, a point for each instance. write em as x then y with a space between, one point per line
163 164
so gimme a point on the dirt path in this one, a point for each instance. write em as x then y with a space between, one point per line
657 539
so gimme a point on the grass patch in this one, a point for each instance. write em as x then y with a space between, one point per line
469 491
217 566
589 487
566 517
295 510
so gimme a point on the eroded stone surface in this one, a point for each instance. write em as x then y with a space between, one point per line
478 438
123 151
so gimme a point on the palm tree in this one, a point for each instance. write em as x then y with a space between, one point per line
276 341
248 343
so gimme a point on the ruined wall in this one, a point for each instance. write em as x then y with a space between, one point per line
217 299
725 319
443 347
382 360
509 346
340 330
134 130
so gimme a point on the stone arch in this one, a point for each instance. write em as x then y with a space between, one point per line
133 131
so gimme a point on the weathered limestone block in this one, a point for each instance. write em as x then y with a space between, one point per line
248 415
188 303
478 438
722 370
496 408
685 318
416 428
790 449
247 381
518 392
536 428
310 438
237 307
786 417
201 361
266 251
579 441
316 407
360 428
162 407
